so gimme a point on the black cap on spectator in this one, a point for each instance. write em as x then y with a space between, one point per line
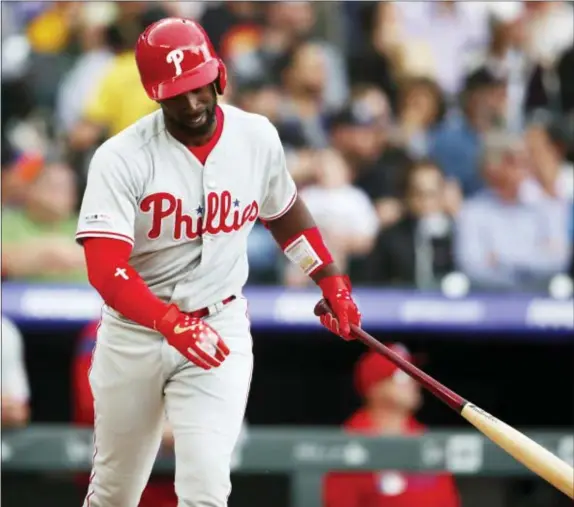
353 115
482 78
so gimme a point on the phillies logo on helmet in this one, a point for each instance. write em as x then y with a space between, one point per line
175 56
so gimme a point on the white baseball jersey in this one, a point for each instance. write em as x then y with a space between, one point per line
188 223
14 376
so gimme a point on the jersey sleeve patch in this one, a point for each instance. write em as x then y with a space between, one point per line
98 218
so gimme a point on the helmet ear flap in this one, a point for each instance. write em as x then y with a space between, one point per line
221 81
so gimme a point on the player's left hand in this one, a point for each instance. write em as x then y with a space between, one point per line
344 312
193 338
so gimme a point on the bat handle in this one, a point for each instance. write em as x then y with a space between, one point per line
452 399
322 308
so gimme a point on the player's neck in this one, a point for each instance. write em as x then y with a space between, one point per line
188 138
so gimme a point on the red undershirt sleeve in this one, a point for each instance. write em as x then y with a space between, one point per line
119 285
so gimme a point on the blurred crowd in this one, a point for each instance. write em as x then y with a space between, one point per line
427 138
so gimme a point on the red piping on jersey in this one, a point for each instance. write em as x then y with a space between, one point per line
104 234
265 221
120 286
284 210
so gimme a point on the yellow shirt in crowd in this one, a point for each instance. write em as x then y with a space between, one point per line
119 100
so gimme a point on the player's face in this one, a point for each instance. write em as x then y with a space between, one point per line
193 113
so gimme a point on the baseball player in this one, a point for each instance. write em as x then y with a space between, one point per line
164 222
390 400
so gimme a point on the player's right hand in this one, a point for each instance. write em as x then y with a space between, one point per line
194 338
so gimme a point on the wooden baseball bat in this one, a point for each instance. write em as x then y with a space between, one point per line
532 455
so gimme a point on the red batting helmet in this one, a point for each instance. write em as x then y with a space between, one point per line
174 56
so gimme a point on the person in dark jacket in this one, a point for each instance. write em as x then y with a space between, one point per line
417 250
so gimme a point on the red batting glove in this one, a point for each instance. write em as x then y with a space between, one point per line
194 338
337 292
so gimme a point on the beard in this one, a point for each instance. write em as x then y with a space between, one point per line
185 125
204 127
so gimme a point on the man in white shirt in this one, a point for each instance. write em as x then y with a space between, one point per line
15 388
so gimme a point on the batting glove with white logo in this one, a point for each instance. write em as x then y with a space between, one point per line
194 338
344 312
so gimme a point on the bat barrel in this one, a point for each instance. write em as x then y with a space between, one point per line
531 454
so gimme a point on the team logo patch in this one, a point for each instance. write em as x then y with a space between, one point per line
97 217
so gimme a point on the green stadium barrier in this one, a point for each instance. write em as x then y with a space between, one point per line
304 454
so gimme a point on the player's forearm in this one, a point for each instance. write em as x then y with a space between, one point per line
296 233
119 285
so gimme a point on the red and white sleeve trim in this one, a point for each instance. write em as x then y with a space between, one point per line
103 234
284 210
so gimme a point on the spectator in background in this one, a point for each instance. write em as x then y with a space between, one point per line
549 35
456 144
421 107
38 240
49 31
18 100
505 56
553 174
501 241
260 96
15 387
344 213
18 170
417 250
362 133
118 99
234 28
549 30
372 57
302 111
390 400
263 96
435 38
79 83
160 490
50 26
286 26
565 71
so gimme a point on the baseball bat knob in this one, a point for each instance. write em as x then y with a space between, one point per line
321 308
